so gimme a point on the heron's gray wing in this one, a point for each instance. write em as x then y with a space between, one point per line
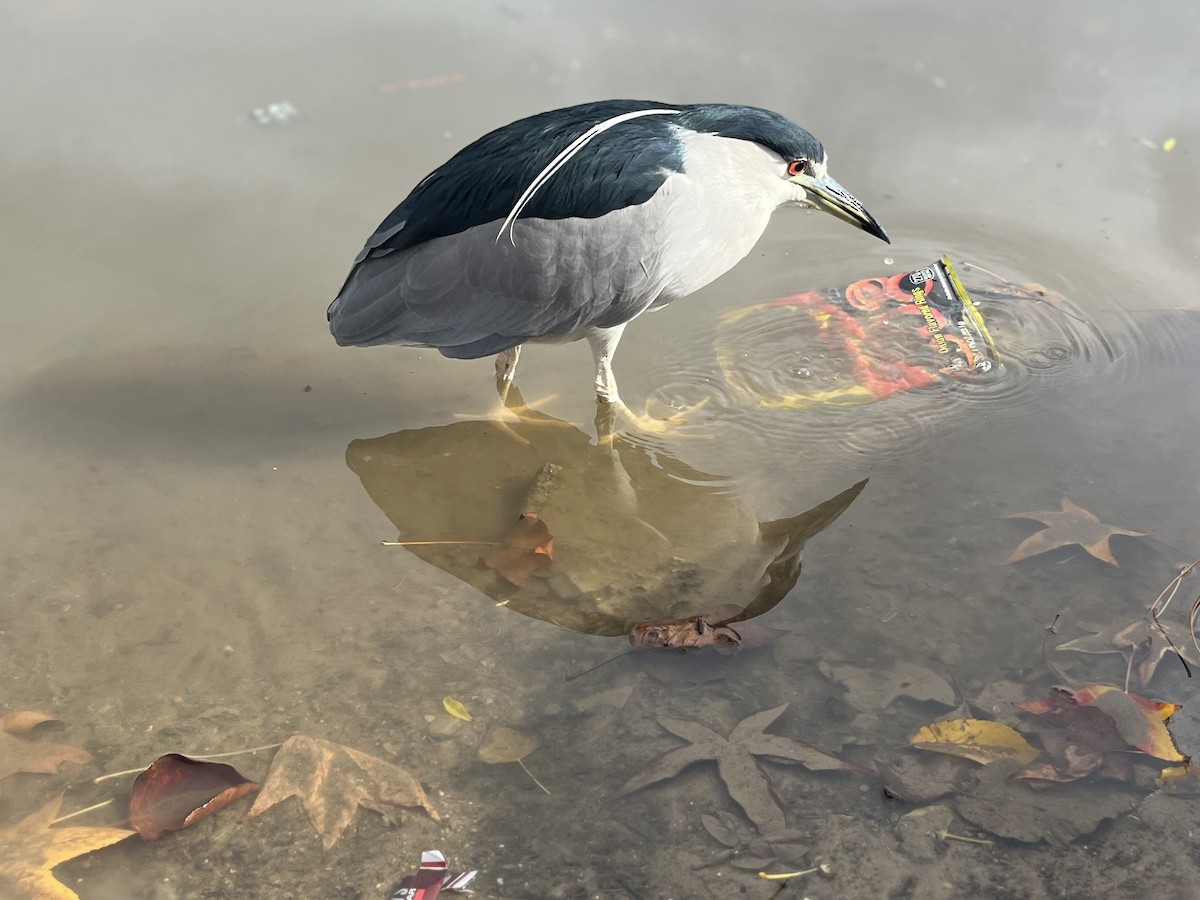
472 295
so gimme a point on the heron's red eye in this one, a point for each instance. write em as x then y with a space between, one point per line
798 167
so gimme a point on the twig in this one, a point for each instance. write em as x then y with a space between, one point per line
947 836
1192 623
441 543
598 665
531 775
80 812
824 868
209 756
1133 652
1051 630
783 875
1155 611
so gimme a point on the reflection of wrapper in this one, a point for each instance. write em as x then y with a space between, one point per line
871 339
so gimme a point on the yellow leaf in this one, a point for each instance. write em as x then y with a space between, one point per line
1169 145
456 709
975 739
1179 781
31 848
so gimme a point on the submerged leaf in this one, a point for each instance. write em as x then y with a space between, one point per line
175 792
975 739
456 709
44 757
31 848
1140 722
24 721
1179 781
332 781
1081 740
875 689
506 745
528 547
1013 809
1074 525
735 759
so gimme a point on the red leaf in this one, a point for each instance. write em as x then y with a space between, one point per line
1139 721
176 792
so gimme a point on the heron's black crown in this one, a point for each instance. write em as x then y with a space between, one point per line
620 167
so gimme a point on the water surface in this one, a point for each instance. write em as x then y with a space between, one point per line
191 565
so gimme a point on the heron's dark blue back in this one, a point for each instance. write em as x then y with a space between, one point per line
620 168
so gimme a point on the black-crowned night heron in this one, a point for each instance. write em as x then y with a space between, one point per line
572 223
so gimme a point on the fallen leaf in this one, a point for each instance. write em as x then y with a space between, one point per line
1179 781
1074 525
735 759
877 688
1113 639
175 792
723 630
1141 722
1080 741
456 709
1012 809
25 721
43 757
506 745
331 781
528 547
1148 641
975 739
749 850
30 849
905 777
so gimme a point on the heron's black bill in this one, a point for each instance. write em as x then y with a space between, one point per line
827 195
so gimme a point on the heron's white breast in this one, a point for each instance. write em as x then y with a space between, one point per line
713 213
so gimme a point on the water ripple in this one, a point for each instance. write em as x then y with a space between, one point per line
772 381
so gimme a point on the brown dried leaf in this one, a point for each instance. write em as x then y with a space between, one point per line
1073 525
723 630
45 757
735 759
24 721
1077 738
31 848
175 792
527 548
332 781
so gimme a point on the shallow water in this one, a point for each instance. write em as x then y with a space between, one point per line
191 558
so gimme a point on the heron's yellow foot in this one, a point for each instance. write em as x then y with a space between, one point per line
609 411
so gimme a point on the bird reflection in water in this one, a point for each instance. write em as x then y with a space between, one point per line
644 545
